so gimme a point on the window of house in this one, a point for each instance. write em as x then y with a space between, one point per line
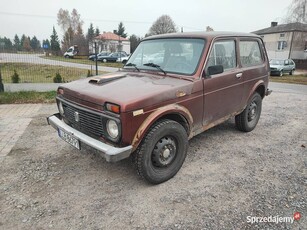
282 35
250 54
281 45
223 53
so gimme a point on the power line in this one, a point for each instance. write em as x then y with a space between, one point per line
53 17
88 19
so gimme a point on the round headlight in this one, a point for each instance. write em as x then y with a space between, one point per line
61 109
112 129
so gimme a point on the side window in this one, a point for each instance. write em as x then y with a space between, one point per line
250 54
223 53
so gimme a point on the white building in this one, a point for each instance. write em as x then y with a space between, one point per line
285 41
110 42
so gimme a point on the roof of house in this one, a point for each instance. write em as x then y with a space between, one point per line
296 26
110 36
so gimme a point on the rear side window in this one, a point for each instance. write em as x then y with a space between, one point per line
250 54
223 53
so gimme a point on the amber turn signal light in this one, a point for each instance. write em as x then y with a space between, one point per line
113 108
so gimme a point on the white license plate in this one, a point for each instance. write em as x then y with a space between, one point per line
69 139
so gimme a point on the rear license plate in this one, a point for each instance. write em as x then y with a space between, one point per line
69 139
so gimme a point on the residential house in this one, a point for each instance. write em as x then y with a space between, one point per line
285 41
110 42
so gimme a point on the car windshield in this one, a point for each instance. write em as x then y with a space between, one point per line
277 62
172 55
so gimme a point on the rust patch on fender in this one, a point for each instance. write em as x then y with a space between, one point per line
168 109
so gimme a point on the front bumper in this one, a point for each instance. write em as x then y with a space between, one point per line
110 153
268 92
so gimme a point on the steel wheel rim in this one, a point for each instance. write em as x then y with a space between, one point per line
164 152
252 111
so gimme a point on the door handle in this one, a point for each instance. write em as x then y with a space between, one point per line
238 75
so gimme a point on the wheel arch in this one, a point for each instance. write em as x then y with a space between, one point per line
173 112
259 87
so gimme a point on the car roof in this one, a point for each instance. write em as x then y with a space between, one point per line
205 35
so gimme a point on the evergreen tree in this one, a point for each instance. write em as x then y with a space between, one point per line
35 44
97 31
134 41
121 30
54 43
23 37
90 33
6 44
17 43
90 38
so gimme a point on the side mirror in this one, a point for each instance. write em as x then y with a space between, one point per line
215 69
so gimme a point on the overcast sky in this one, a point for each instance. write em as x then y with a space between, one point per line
36 17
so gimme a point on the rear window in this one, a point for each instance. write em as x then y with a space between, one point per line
250 54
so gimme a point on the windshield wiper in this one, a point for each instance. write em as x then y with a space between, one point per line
134 65
155 66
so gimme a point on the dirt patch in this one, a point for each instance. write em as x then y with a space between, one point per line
227 176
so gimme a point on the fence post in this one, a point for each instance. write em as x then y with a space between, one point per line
1 84
96 58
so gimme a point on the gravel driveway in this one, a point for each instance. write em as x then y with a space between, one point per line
227 178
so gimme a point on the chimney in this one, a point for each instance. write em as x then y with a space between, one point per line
114 31
274 24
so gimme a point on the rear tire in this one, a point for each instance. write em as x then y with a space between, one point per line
162 152
248 119
291 72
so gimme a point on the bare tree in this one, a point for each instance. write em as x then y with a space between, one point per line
163 25
75 20
297 11
71 25
64 19
209 28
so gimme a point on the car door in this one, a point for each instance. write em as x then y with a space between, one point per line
287 66
253 63
223 91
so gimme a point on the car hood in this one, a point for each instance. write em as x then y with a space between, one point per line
130 90
276 66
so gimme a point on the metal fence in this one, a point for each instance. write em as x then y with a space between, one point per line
30 67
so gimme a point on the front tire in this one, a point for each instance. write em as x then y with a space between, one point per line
162 152
281 73
248 119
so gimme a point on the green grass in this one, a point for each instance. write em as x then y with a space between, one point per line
84 60
27 97
292 79
38 73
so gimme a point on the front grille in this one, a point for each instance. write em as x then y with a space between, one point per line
88 122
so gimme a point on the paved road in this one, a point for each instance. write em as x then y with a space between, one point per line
35 58
288 88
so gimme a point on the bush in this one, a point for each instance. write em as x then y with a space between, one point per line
15 77
57 78
89 73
